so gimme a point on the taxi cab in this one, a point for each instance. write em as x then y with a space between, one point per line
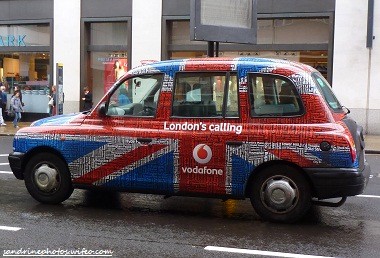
265 129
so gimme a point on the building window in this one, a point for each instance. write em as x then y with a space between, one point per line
24 35
107 55
277 38
25 63
108 33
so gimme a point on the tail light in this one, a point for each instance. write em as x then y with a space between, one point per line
352 151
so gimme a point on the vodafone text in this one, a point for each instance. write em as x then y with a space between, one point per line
203 171
219 127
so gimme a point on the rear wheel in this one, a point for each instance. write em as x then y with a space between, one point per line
280 193
47 178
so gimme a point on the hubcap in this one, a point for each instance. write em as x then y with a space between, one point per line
279 194
46 178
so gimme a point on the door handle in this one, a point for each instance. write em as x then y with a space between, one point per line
235 143
144 140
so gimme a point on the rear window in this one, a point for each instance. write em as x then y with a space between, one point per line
325 89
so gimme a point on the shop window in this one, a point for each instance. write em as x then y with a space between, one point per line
108 33
25 35
270 31
107 55
30 73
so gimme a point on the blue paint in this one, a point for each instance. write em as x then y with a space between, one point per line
241 170
156 175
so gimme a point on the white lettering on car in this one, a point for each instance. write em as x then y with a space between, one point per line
202 171
220 127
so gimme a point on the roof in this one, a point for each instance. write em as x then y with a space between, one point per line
224 64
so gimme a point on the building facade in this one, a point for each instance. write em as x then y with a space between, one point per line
97 41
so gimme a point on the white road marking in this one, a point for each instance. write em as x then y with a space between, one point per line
4 155
2 164
9 228
368 196
5 172
258 252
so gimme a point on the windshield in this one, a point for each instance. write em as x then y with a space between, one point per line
325 89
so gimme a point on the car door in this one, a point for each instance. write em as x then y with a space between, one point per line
131 154
205 119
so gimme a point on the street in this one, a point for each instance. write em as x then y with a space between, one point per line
138 225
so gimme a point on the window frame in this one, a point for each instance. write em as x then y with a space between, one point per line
118 84
227 75
252 113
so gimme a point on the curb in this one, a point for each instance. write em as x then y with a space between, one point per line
372 151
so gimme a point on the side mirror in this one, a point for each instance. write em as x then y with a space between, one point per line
102 111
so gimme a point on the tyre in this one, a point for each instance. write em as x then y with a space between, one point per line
280 193
47 178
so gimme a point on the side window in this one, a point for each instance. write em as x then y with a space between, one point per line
327 92
137 96
272 95
203 95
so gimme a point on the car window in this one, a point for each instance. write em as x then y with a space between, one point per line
272 95
205 95
325 89
137 96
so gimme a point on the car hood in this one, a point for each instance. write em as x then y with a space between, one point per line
72 119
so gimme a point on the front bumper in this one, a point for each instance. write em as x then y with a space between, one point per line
15 162
341 182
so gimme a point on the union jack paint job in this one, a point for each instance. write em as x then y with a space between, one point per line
106 151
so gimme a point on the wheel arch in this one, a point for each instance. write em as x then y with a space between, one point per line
40 149
265 165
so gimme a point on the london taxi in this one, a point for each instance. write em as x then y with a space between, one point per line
265 129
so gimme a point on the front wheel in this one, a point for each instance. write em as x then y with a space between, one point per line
47 178
280 193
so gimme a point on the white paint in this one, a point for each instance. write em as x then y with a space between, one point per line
4 155
146 30
355 69
5 172
259 252
368 196
67 17
2 164
10 228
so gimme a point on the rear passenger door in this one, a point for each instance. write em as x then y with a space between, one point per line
205 118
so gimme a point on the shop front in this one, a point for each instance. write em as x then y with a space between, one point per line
284 31
25 64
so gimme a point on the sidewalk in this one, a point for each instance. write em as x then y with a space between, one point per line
372 141
10 130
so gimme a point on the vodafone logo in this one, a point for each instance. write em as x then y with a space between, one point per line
202 153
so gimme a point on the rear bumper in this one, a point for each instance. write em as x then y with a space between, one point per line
15 162
333 182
